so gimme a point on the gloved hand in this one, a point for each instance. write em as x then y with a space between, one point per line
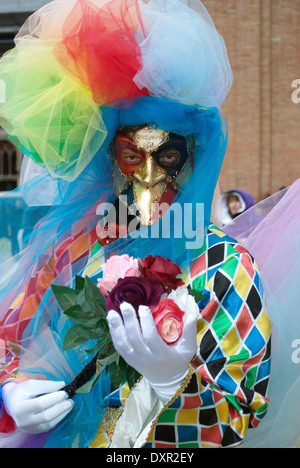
36 405
164 366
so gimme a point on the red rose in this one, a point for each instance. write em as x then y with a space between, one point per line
162 270
168 318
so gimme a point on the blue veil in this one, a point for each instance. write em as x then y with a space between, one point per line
74 212
183 65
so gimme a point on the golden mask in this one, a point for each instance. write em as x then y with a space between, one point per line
150 165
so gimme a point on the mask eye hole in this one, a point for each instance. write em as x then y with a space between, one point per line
169 157
131 157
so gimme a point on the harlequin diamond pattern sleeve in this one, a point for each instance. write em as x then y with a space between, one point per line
227 392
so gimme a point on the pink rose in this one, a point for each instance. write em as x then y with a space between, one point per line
168 318
116 268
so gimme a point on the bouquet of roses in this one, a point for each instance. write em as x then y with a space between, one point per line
153 282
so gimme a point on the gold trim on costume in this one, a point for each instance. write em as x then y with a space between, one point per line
180 390
110 417
111 431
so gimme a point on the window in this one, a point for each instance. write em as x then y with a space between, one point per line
10 161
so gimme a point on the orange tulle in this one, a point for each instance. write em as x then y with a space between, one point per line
99 48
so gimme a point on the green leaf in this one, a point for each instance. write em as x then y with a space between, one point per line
86 388
96 333
101 365
84 305
95 298
76 336
132 376
118 373
65 296
80 334
81 300
77 315
113 358
99 323
98 329
106 348
79 283
91 300
95 349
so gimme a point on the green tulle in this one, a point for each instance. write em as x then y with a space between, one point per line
47 112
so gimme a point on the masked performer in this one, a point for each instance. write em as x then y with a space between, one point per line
118 104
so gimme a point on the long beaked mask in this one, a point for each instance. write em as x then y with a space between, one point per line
149 167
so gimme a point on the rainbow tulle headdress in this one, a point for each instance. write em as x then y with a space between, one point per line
75 57
79 70
82 68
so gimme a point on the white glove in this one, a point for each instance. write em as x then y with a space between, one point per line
164 366
36 405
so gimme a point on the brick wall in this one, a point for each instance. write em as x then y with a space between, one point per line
263 42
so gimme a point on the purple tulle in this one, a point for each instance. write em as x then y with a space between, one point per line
271 232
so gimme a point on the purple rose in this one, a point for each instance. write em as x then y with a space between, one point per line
136 291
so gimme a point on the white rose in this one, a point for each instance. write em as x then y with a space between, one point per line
185 301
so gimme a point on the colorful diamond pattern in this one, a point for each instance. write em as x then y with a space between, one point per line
227 392
228 389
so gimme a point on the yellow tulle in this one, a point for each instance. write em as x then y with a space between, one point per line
47 112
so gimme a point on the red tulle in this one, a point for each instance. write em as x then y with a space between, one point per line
7 424
99 48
